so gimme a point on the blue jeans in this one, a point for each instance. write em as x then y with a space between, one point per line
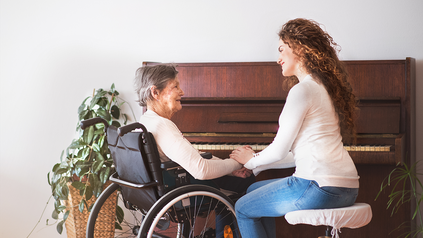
265 200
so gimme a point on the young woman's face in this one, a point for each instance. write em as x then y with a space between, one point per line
288 60
169 99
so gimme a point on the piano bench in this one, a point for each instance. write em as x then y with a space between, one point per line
355 216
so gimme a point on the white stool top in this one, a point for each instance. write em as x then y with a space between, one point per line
355 216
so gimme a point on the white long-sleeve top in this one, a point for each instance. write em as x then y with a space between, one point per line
309 128
172 145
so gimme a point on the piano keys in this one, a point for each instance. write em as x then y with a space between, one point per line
259 147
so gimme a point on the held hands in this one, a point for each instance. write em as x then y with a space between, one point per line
242 173
242 154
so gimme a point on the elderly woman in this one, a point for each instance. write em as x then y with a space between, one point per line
158 88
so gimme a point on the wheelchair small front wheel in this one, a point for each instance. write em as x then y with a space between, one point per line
191 211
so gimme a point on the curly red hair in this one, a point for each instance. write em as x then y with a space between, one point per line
317 52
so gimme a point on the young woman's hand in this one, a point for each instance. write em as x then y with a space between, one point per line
242 154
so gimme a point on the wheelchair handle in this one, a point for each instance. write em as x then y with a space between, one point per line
115 179
89 122
128 128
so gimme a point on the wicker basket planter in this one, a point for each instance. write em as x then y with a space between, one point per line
76 223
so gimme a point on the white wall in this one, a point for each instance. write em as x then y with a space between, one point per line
54 53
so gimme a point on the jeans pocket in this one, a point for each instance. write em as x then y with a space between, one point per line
314 197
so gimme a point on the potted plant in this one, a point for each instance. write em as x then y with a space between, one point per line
404 186
86 165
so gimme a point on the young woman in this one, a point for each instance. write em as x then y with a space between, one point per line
319 108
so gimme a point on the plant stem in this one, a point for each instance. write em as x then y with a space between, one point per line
40 216
110 103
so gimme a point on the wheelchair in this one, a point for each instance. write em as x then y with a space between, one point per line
161 199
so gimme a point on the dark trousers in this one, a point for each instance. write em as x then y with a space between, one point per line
235 184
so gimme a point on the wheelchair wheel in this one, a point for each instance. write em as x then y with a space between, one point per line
129 226
191 211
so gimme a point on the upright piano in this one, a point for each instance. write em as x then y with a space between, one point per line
238 103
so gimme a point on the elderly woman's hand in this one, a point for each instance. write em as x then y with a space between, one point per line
242 173
242 154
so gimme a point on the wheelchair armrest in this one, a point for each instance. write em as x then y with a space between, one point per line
206 155
115 179
169 165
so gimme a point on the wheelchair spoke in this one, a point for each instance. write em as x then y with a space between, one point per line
200 208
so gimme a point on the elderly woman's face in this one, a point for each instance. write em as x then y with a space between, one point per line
169 99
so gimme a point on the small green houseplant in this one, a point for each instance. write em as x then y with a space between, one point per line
403 184
86 164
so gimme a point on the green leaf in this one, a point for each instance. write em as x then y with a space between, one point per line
94 101
81 205
57 204
119 214
85 153
82 171
100 93
81 108
125 119
99 156
102 102
62 191
78 185
66 215
59 227
101 140
77 171
91 207
88 192
96 147
90 114
83 105
118 226
83 114
104 174
116 124
97 166
55 215
97 185
88 135
61 208
76 144
92 180
48 178
100 126
56 167
115 111
61 171
104 114
99 131
61 155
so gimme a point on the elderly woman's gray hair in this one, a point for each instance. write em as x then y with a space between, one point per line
148 76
